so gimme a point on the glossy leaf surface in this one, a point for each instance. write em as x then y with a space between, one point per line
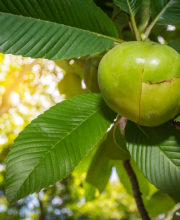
129 5
54 29
156 151
168 11
54 143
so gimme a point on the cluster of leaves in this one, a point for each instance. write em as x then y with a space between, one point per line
65 199
55 142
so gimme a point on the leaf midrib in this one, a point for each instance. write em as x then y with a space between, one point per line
55 146
162 11
130 9
63 25
156 145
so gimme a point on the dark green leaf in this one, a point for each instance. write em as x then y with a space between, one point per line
54 29
121 22
53 144
129 5
116 150
84 165
100 169
166 11
156 151
175 45
159 203
120 19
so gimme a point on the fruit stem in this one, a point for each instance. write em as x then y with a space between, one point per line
136 190
133 22
130 25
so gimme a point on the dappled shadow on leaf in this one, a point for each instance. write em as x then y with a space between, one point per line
156 135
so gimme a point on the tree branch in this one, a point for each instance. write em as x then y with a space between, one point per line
5 105
136 191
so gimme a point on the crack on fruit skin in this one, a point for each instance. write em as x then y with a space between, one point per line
165 81
142 83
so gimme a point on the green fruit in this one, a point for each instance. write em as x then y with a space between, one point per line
141 82
91 72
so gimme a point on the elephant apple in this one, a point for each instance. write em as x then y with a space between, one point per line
141 82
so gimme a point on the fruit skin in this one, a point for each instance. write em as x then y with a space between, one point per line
91 72
141 82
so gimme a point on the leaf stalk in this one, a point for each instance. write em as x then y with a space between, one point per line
133 22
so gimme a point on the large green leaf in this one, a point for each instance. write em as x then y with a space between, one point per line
156 151
175 45
54 29
159 203
84 165
165 11
53 144
129 5
100 169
